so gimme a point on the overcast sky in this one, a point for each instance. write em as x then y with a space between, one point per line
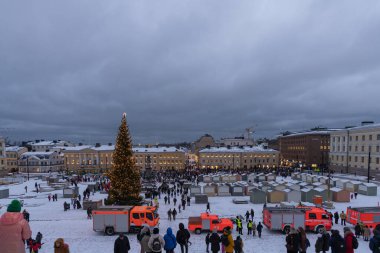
180 69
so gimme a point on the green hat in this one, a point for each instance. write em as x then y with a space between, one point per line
14 206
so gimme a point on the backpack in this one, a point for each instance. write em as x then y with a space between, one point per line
355 243
374 245
225 240
156 245
340 245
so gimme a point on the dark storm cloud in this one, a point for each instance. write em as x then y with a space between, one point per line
183 68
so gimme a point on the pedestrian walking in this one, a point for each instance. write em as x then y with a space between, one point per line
367 234
319 244
247 216
89 213
238 245
215 241
227 241
249 227
304 243
175 201
183 236
259 229
336 217
156 242
170 214
166 199
239 225
14 229
208 207
252 214
121 244
170 241
254 228
374 243
337 242
358 230
207 240
145 240
351 242
26 215
343 218
292 241
174 213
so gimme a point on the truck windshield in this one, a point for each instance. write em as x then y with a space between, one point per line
325 217
149 216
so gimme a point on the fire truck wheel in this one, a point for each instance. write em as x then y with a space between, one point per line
109 231
319 229
198 231
286 229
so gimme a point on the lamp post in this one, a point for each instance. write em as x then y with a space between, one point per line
27 166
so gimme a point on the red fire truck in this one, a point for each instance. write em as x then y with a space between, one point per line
283 218
369 216
207 222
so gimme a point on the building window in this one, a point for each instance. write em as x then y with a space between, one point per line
377 148
349 158
356 148
363 137
362 159
377 160
350 138
378 137
356 159
362 148
370 137
356 138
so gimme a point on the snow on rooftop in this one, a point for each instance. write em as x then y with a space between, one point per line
244 149
309 133
358 128
156 149
77 148
13 149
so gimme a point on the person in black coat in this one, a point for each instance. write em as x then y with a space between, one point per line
183 237
215 241
121 244
259 229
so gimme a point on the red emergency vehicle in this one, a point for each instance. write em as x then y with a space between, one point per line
283 218
369 216
207 222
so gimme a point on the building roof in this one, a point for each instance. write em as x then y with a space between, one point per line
38 155
156 149
245 149
358 128
14 149
324 132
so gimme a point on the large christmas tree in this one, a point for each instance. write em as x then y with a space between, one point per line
124 176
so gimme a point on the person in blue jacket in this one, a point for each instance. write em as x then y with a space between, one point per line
170 241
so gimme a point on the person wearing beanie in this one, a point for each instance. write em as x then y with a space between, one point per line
156 242
14 229
60 246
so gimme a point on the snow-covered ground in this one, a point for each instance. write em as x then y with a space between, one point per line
73 225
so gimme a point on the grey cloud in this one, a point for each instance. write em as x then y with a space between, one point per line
181 69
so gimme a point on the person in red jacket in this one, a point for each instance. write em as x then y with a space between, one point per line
348 238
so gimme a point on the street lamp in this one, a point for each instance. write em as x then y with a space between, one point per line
27 166
369 164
